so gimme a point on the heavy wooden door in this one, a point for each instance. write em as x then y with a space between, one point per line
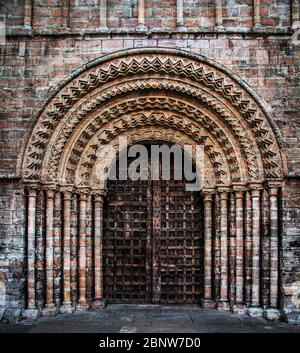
152 243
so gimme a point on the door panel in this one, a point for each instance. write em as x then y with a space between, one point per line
152 243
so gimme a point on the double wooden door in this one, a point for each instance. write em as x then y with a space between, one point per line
152 242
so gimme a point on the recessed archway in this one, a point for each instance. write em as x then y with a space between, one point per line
149 94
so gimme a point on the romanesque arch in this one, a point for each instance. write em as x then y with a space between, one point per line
161 94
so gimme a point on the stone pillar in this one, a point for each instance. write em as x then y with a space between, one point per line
50 308
295 14
219 14
74 247
273 312
65 15
141 16
28 14
217 247
103 16
57 248
82 302
255 309
89 251
32 310
179 16
223 302
248 249
208 302
256 14
265 249
99 301
232 250
67 198
239 306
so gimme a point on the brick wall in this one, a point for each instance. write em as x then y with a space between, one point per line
32 66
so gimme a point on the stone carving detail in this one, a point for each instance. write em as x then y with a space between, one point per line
175 67
182 127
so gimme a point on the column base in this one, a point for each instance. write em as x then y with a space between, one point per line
223 305
272 314
83 306
141 28
256 27
2 311
30 314
66 308
208 304
50 310
98 304
255 312
219 27
102 29
239 309
291 316
181 29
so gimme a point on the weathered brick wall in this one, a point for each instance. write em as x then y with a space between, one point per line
33 66
12 247
50 14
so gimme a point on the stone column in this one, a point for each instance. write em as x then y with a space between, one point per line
208 302
255 309
82 302
32 310
232 250
273 312
57 249
141 16
67 198
89 251
179 16
248 249
103 16
256 14
219 14
50 308
239 306
74 247
99 301
65 15
223 302
295 14
28 14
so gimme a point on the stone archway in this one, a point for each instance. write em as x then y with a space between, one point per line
149 94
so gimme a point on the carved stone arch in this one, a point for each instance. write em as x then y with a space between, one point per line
164 62
187 121
211 118
178 97
210 179
217 167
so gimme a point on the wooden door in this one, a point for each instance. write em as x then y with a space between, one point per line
152 242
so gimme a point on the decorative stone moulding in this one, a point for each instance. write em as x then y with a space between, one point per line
157 94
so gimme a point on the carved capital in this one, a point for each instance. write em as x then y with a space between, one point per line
223 191
208 194
67 191
238 189
50 190
83 192
255 189
99 194
32 188
273 187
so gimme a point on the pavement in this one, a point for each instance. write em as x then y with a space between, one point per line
150 319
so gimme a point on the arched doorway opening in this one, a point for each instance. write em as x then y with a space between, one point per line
153 239
154 94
